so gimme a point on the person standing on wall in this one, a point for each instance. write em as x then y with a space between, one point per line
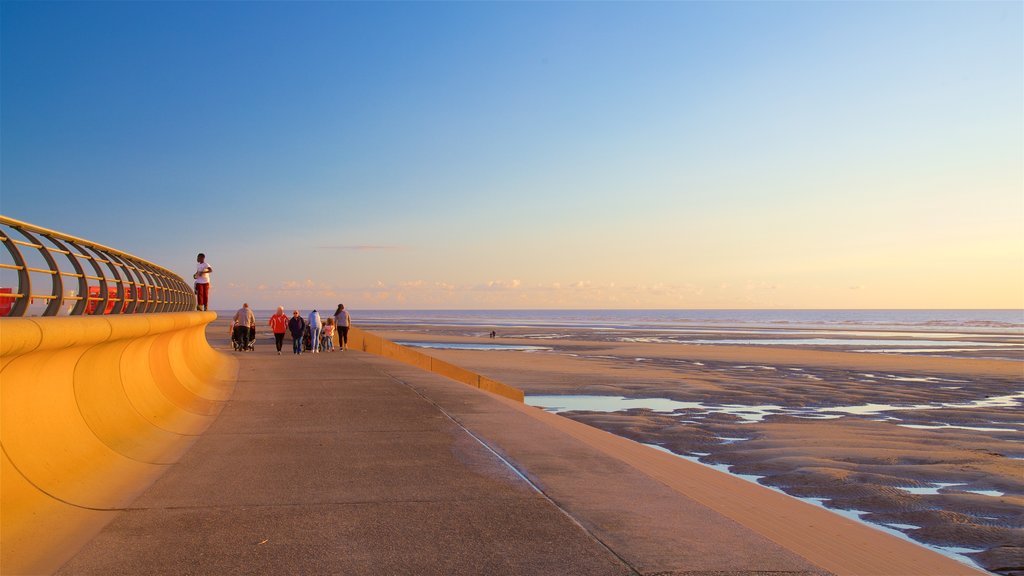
244 319
343 322
315 326
202 278
297 326
279 325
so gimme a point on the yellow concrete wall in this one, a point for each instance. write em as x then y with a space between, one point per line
368 342
92 411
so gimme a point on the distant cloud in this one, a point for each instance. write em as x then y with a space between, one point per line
364 247
493 293
301 287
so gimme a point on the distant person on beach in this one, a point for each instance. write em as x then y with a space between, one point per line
279 325
244 320
315 326
297 326
327 341
343 321
493 334
202 278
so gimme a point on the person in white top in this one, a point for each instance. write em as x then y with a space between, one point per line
315 326
202 278
342 320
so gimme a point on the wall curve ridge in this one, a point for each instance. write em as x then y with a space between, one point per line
93 409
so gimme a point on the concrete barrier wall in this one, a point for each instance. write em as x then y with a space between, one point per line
92 410
369 342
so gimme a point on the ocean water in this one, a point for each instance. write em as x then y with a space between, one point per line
1006 322
974 333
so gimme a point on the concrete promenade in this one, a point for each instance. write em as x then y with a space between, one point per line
347 463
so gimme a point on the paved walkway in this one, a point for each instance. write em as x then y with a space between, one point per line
347 463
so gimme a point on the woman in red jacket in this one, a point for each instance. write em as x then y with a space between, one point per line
279 324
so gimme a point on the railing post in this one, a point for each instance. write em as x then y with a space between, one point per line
141 286
24 282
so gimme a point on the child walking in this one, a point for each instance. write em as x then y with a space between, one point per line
328 339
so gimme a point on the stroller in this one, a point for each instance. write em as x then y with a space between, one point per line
307 339
239 346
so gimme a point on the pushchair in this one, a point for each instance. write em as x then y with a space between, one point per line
307 339
238 345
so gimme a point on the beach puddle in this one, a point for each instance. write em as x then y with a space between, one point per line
938 487
1005 401
464 346
955 427
1009 348
925 490
757 413
898 530
692 411
923 379
902 526
728 440
916 343
566 403
947 351
992 493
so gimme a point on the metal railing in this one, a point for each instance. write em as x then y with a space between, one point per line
94 279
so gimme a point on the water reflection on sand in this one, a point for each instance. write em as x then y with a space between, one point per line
757 413
896 529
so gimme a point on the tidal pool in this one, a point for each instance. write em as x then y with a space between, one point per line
757 413
464 346
898 530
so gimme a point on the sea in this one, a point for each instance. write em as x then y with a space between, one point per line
996 334
1008 322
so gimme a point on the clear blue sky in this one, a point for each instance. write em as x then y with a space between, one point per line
449 155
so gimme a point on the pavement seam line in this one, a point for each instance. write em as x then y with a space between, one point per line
507 463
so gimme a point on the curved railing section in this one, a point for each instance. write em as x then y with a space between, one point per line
47 273
106 379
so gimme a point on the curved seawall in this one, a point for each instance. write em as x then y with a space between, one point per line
92 410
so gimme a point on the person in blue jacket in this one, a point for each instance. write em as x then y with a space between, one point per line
296 325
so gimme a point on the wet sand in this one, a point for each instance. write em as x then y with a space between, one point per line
940 458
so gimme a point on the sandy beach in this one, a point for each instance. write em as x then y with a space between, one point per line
927 447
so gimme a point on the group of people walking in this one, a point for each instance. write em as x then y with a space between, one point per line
314 335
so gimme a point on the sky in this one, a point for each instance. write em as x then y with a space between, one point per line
531 155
